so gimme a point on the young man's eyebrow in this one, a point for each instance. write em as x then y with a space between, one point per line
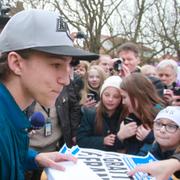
63 58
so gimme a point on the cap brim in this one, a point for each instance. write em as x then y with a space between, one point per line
76 53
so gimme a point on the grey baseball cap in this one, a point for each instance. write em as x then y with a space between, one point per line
40 30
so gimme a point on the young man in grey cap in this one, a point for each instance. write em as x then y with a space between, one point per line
36 51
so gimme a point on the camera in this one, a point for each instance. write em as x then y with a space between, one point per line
176 92
4 17
91 96
80 35
118 64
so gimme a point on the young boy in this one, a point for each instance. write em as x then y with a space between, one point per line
36 51
166 132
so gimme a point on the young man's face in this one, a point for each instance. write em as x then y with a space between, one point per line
129 59
104 62
80 70
43 77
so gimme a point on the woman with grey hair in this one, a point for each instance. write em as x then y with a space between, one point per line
167 71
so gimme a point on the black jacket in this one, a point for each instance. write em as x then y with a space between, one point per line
177 156
88 138
69 113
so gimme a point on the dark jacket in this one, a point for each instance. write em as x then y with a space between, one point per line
177 156
88 138
156 151
134 146
69 113
158 154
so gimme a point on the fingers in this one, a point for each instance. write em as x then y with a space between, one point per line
127 130
109 140
53 160
140 168
65 157
139 136
57 166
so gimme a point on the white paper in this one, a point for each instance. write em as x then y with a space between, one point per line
76 171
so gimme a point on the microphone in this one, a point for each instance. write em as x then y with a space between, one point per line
37 121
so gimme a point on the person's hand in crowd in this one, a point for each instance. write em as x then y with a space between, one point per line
74 140
90 103
51 160
161 170
168 96
124 71
142 132
176 101
110 140
73 35
127 130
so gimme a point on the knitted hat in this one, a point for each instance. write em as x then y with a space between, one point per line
112 81
170 112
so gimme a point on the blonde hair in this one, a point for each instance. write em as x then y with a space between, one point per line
87 87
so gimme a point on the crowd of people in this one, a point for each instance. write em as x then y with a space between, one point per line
94 101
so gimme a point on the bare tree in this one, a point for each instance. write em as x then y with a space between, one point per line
132 23
167 25
153 24
90 16
150 23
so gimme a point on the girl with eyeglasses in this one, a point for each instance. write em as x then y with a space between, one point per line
167 132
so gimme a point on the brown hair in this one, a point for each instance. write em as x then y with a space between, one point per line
129 46
100 111
141 89
4 68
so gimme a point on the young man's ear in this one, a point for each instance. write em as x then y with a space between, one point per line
14 62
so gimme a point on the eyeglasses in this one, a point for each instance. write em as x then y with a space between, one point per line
171 128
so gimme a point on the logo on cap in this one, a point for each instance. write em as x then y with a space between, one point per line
61 25
169 111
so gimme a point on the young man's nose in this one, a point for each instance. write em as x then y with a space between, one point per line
64 77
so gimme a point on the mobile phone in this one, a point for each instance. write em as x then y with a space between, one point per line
128 120
176 91
91 96
132 118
